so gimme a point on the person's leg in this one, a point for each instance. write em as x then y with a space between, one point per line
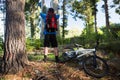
56 54
46 44
45 53
56 51
55 46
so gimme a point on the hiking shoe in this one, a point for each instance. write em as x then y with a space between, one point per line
58 60
46 59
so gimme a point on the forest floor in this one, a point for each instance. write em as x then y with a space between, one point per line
39 70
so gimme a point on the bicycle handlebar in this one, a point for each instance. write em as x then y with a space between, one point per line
78 45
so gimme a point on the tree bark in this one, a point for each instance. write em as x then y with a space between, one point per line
14 58
63 27
32 28
107 14
44 10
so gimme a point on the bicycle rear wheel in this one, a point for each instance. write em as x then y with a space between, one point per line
95 66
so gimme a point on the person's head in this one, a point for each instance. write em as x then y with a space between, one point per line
51 10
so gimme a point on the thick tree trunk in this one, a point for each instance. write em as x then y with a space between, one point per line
14 58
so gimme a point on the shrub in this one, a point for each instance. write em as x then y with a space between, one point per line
1 46
33 44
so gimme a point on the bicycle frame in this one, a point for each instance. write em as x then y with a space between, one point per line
85 52
81 52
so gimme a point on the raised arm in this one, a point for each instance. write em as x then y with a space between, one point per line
57 16
43 15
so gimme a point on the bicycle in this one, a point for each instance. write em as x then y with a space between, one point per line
92 64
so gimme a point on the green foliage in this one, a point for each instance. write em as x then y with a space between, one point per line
60 40
89 37
1 45
32 12
27 75
115 30
2 78
81 9
33 57
117 4
67 41
115 25
29 4
111 46
33 44
111 55
111 35
114 45
89 40
106 35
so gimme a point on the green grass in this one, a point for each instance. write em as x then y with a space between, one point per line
33 57
2 78
36 57
1 54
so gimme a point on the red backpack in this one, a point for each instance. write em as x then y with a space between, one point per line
51 21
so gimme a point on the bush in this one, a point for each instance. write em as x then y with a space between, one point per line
1 46
33 44
111 47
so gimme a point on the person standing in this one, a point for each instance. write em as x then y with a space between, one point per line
50 30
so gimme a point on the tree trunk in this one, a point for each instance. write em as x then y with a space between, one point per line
14 58
95 19
107 14
32 28
63 27
44 10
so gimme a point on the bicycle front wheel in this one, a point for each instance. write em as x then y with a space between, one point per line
95 66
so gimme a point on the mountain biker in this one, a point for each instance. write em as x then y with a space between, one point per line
50 35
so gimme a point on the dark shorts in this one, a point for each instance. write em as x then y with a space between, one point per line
50 40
